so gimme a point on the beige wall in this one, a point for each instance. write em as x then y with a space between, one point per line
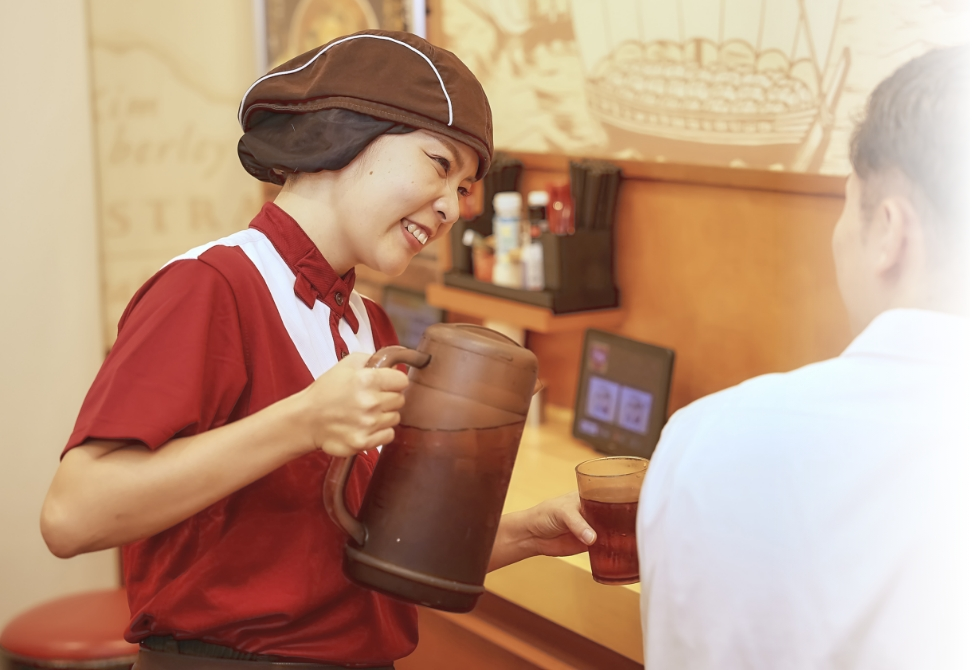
121 156
167 78
50 338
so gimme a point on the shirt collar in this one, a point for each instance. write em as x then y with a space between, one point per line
916 334
315 278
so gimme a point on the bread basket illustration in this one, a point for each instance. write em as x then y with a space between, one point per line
731 82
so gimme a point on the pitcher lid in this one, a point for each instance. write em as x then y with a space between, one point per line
480 340
479 364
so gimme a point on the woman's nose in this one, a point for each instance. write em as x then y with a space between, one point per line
447 207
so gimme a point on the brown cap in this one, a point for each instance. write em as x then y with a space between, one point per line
392 76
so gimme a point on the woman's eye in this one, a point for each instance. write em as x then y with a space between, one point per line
463 192
444 162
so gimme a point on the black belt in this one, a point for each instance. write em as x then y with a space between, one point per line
167 653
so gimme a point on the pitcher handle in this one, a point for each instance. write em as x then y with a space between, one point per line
340 467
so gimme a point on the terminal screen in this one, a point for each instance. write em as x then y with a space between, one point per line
623 396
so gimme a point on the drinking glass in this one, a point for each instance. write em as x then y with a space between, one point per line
609 489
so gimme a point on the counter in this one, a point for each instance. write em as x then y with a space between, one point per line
562 589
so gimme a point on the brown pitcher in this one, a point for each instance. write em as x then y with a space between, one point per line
426 526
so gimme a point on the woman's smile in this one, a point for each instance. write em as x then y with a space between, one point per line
418 233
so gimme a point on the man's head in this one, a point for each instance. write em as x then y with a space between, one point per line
903 237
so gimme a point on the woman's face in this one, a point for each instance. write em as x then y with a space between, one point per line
401 193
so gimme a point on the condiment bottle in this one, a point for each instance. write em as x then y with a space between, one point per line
533 275
508 270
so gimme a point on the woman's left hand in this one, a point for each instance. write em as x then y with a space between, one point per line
555 527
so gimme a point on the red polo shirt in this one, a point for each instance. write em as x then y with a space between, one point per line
220 333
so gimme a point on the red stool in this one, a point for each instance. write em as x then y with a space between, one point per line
79 632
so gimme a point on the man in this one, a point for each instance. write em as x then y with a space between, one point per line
819 518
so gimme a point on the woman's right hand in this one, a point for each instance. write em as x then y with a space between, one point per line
108 493
351 408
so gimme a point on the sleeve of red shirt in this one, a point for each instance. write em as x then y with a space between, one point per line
178 366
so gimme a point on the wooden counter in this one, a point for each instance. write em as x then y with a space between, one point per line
562 589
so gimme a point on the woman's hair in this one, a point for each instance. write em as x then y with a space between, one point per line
328 139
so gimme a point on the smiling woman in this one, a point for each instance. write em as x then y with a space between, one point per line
239 371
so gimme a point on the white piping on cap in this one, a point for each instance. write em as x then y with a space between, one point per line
239 115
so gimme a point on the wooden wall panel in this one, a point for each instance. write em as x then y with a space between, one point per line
501 635
731 268
738 281
446 645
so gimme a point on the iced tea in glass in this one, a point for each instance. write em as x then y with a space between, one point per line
609 489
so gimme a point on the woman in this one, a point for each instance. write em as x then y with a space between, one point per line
239 371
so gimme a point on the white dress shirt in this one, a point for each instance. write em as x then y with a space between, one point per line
818 518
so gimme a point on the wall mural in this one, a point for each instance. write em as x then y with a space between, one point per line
296 26
166 81
769 84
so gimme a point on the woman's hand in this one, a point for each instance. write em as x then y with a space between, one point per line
351 408
108 493
555 527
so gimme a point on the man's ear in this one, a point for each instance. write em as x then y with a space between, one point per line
894 234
